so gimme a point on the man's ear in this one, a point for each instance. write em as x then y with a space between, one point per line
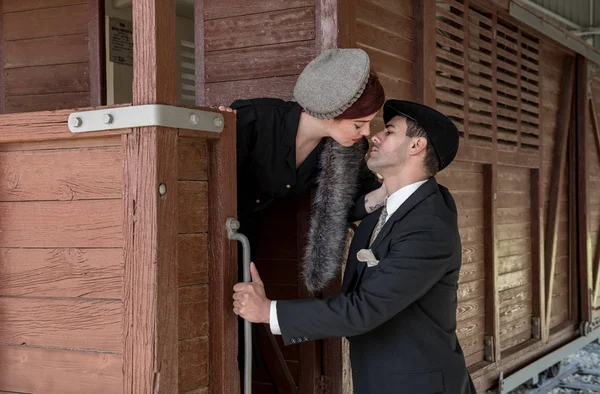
418 145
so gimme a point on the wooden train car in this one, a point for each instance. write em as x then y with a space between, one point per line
115 267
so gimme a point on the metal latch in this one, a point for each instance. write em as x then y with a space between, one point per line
144 116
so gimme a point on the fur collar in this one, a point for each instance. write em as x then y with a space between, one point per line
337 189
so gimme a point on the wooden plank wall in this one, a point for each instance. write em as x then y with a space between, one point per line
515 273
466 183
552 63
61 266
384 29
192 261
255 49
49 67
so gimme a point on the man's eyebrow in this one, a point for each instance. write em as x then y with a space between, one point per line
389 125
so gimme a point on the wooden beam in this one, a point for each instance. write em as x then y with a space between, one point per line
492 308
2 62
557 178
465 22
595 263
326 21
223 328
345 23
97 59
537 251
151 320
425 50
154 75
310 360
278 369
150 323
573 255
585 110
199 52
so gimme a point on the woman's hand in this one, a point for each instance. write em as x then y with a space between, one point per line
227 109
375 199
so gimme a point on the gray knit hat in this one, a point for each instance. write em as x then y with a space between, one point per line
332 82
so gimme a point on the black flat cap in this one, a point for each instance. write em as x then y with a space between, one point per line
442 132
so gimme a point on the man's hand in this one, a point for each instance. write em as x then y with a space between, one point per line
250 301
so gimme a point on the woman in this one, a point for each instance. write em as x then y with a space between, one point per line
286 147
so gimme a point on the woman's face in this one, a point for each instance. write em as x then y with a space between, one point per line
347 132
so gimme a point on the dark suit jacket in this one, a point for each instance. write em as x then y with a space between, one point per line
400 315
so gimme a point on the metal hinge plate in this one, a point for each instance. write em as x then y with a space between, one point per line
144 116
536 327
488 349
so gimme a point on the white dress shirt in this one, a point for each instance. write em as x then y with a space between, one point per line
392 203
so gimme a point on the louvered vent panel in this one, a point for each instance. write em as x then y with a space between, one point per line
479 39
477 53
450 61
530 92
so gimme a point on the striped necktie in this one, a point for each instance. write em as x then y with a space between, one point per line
379 225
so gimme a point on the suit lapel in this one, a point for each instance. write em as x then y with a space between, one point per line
419 195
359 241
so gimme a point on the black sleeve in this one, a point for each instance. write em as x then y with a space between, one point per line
368 182
418 259
245 130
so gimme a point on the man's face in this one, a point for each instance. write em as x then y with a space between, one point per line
390 147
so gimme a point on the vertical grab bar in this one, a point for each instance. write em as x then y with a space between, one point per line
232 226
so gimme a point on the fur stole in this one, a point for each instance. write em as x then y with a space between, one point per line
337 188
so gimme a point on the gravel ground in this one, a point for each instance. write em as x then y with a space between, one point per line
588 357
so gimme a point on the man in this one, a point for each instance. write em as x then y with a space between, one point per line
398 306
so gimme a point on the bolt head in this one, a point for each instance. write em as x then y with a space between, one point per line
194 119
162 189
218 121
76 121
107 118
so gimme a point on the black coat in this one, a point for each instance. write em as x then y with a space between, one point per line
400 315
266 154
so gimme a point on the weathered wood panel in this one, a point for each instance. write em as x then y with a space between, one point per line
35 370
268 28
215 9
192 259
224 93
193 359
54 65
514 266
258 62
78 273
71 324
49 22
24 5
193 159
62 78
46 102
46 51
552 60
465 182
192 264
193 312
71 224
193 207
78 174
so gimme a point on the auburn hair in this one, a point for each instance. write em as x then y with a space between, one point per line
370 101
